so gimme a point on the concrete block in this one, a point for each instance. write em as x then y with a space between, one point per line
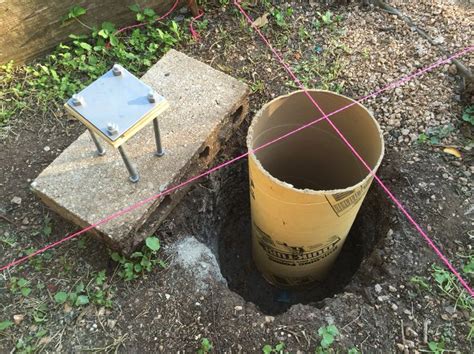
206 107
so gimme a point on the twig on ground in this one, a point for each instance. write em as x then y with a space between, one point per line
8 220
425 331
403 332
355 319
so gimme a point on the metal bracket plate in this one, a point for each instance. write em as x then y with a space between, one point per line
119 100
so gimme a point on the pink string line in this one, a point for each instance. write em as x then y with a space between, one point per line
354 151
194 33
231 161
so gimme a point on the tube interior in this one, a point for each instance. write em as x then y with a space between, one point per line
316 157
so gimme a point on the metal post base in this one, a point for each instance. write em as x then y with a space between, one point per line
100 148
132 171
159 149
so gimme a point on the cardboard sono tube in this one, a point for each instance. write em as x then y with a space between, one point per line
306 189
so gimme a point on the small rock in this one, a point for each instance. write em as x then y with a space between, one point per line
111 323
405 132
410 344
238 308
67 308
394 307
392 289
453 70
378 288
411 333
400 347
25 221
450 309
44 341
167 296
18 319
383 298
269 319
16 200
407 312
46 148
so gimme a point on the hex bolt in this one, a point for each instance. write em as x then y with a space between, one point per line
159 149
132 171
100 149
77 100
151 96
112 128
117 70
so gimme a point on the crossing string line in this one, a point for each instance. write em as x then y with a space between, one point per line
235 159
395 200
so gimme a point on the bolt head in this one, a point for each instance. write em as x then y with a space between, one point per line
112 128
117 70
151 96
77 100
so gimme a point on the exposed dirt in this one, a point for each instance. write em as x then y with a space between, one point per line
371 298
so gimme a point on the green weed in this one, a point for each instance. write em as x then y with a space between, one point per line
319 72
468 115
447 285
5 324
206 346
76 297
20 285
326 19
268 349
257 86
420 281
436 347
281 16
141 261
434 135
97 291
40 313
8 239
328 335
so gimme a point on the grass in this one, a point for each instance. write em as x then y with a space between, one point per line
44 303
41 87
444 284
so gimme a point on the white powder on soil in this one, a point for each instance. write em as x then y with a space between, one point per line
196 258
